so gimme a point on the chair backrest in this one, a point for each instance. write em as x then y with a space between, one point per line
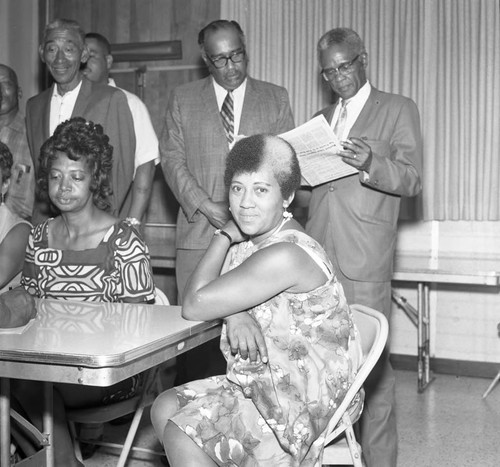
373 330
161 298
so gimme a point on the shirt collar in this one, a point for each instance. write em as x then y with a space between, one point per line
360 98
55 92
221 92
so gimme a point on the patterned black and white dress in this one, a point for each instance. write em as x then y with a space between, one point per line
116 270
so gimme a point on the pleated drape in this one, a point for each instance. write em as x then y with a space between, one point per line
444 54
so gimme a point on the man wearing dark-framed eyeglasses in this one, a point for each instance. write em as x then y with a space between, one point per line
355 217
204 118
221 61
343 69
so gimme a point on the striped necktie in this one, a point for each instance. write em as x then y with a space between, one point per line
227 115
338 129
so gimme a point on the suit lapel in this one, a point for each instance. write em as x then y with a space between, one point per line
249 108
45 111
83 98
366 115
328 113
211 109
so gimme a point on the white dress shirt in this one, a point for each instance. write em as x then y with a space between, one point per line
146 144
61 106
354 106
238 98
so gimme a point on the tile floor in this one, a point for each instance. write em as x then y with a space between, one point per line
448 425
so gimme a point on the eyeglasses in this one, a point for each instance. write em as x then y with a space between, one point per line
236 57
330 73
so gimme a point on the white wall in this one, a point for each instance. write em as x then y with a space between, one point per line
463 318
19 43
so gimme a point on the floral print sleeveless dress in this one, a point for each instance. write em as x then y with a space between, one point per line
275 414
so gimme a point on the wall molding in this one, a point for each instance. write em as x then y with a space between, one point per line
447 366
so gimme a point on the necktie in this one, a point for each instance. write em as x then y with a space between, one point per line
339 126
228 117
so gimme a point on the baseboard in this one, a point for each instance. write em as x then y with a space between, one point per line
448 367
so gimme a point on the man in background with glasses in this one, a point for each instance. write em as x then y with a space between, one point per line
355 217
204 118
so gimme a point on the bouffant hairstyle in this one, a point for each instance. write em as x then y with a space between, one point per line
6 161
250 154
82 140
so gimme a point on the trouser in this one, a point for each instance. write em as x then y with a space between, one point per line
376 428
207 359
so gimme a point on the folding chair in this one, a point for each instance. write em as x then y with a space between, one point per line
341 447
136 405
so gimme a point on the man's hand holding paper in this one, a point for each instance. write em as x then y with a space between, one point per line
357 153
319 152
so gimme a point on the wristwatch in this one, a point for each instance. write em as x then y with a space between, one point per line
224 233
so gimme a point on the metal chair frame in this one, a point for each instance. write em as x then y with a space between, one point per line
341 447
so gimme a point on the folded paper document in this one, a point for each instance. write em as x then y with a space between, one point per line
317 149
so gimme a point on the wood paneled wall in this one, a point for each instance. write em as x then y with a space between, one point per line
124 21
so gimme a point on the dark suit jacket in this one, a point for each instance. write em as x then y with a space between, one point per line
101 104
193 147
356 220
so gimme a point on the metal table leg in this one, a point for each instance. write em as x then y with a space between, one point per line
420 317
48 421
427 335
4 422
424 351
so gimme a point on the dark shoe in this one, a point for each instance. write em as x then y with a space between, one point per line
88 433
89 449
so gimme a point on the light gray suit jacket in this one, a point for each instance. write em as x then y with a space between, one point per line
356 220
193 147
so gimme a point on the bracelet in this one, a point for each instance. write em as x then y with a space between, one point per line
223 232
132 221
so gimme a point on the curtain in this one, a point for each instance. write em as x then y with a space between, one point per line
444 54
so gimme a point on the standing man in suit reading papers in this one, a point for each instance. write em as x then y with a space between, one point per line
355 217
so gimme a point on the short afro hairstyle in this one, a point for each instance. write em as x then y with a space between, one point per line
82 140
250 154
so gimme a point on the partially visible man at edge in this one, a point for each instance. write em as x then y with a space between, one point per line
355 218
147 154
63 50
194 145
13 134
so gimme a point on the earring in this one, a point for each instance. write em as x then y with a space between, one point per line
287 215
2 199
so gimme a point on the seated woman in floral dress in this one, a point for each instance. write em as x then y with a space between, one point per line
84 254
291 346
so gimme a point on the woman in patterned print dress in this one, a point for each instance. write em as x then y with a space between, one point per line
84 253
291 346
